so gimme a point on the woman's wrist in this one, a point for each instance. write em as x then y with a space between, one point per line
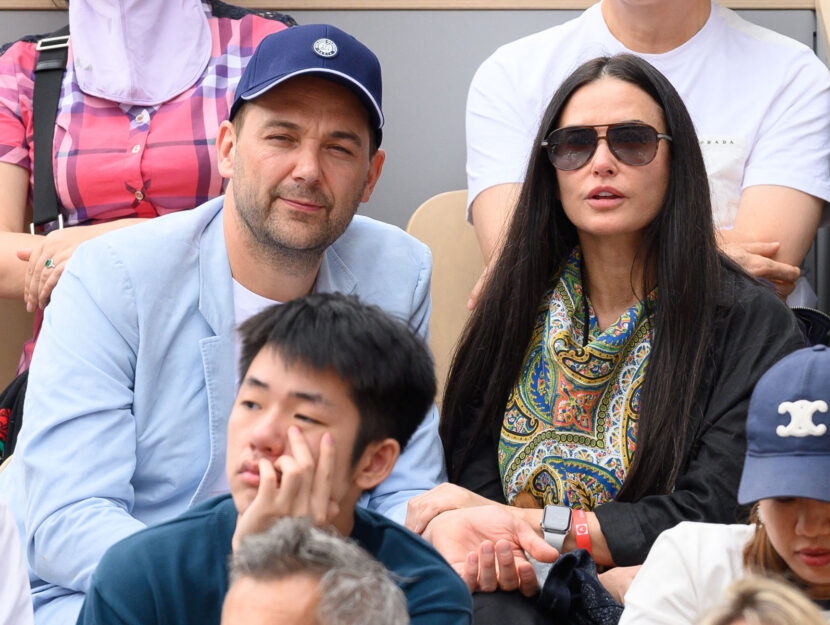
532 516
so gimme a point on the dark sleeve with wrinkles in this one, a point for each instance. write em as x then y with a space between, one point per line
750 335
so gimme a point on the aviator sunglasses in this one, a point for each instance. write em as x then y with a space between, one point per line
633 143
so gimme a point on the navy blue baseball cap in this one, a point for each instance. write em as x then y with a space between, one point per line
321 50
788 430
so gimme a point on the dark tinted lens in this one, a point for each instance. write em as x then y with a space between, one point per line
570 148
632 143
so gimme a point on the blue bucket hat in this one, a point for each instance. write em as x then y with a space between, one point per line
788 430
317 49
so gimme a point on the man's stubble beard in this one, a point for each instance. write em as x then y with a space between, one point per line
262 225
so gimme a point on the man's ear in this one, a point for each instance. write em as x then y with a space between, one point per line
375 463
375 167
225 147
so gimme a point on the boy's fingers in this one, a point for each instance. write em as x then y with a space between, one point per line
321 486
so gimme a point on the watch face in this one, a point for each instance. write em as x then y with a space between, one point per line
556 518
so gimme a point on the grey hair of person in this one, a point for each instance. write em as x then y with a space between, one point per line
760 600
354 588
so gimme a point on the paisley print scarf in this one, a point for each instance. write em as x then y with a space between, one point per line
570 425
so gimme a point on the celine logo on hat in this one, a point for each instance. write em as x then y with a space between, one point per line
325 47
801 418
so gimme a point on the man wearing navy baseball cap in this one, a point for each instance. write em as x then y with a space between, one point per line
144 318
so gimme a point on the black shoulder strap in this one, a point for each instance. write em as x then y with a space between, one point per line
51 65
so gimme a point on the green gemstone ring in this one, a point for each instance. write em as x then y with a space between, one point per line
50 263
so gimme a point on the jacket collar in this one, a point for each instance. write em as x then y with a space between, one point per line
215 281
334 275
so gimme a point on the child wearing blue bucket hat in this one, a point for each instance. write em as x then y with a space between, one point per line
786 478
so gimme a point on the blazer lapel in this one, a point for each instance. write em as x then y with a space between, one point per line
216 306
334 276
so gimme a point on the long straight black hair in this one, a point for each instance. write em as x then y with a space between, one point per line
678 248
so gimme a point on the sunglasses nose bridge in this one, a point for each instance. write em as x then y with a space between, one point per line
595 151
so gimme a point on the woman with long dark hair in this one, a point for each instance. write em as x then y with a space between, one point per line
607 369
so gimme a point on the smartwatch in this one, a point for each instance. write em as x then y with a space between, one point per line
556 521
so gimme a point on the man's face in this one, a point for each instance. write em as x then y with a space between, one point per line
301 164
288 601
274 397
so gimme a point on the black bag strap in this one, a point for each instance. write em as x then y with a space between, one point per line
51 65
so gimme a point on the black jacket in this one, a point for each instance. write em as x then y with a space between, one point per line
753 329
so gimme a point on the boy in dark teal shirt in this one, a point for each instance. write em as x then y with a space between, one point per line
330 393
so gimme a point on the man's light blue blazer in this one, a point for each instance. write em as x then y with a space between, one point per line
133 380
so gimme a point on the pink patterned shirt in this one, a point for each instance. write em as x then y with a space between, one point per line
113 161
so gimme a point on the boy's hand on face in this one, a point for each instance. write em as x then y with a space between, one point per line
294 486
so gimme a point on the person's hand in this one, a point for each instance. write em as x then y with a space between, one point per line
292 486
56 247
423 508
486 546
478 287
618 579
756 259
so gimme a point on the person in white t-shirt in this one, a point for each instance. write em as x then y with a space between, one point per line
785 476
760 103
15 593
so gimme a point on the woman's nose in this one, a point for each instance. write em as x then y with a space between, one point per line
603 162
813 518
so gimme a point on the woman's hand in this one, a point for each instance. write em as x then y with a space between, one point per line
56 247
423 508
486 546
495 567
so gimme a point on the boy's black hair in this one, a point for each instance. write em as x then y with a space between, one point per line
386 366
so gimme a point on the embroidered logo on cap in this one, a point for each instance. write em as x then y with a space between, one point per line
325 48
801 418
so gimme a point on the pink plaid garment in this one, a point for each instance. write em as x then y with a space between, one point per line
113 161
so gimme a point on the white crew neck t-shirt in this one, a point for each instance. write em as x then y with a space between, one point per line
246 304
760 103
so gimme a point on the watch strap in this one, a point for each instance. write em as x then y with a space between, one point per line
581 533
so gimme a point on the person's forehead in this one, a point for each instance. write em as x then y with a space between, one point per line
290 600
296 380
610 100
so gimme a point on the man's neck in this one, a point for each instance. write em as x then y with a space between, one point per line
268 273
655 26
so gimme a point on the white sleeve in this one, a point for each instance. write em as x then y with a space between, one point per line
15 595
500 128
663 591
793 145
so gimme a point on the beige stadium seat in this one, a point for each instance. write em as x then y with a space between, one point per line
457 263
6 463
15 330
